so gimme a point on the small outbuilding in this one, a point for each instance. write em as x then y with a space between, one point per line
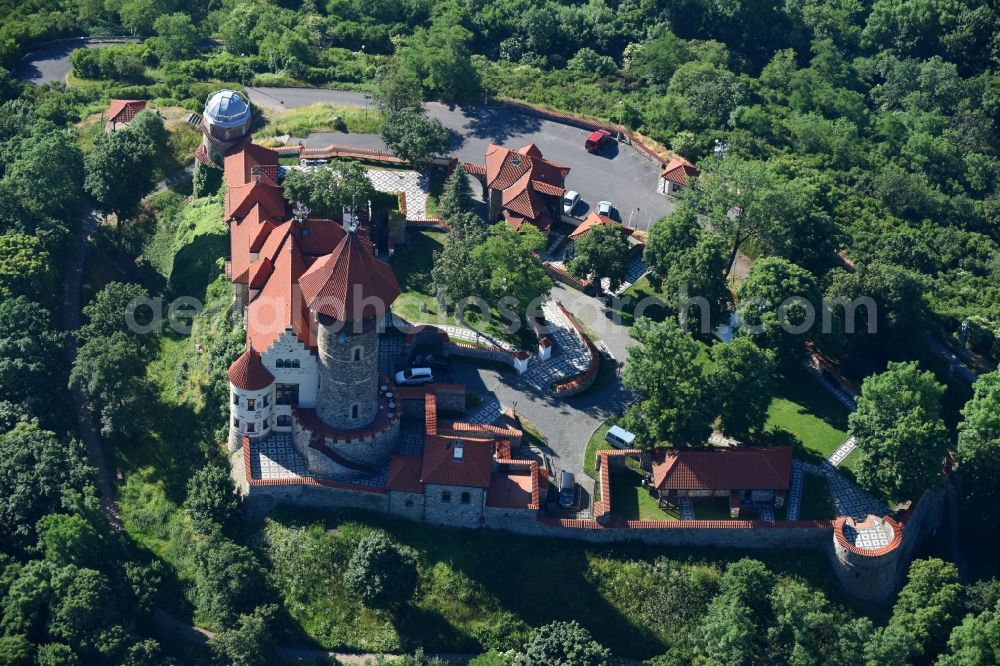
750 476
124 110
678 174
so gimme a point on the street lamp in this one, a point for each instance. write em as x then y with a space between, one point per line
621 111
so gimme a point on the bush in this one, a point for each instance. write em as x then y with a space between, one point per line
380 572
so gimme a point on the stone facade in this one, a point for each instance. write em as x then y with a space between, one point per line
456 506
348 375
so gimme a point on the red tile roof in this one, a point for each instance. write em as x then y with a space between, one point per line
319 236
279 305
239 166
124 110
522 198
747 468
240 200
404 474
350 284
515 489
440 466
248 373
543 222
680 171
505 166
594 220
246 236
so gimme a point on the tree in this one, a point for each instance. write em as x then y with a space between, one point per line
149 127
742 381
899 431
456 198
109 372
71 540
15 650
928 606
108 313
397 91
511 265
439 56
726 634
29 354
57 654
414 137
978 452
119 171
212 500
664 371
380 572
456 275
900 308
25 267
249 643
778 305
601 254
40 474
670 239
230 582
327 190
86 616
176 37
563 644
974 642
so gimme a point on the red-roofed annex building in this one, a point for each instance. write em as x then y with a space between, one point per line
678 174
123 111
522 187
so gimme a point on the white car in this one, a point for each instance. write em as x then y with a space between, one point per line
414 376
604 208
570 200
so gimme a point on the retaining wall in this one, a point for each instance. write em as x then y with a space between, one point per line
585 379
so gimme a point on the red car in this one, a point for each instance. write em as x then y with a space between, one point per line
597 140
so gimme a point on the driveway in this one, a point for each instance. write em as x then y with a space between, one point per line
51 63
619 174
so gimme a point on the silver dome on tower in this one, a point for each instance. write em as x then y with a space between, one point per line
226 122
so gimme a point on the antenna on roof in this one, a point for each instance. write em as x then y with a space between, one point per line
301 212
351 218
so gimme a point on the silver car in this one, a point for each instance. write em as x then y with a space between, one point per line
570 200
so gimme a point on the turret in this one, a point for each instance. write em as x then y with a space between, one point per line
349 290
225 123
251 388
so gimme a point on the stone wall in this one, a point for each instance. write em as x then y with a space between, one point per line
454 513
493 354
348 376
262 498
407 505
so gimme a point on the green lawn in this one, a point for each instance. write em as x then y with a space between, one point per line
305 120
630 501
805 414
438 176
815 503
649 302
597 443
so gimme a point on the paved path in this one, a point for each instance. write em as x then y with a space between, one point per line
795 492
51 63
843 451
414 184
619 174
70 320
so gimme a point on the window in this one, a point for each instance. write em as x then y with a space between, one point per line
280 363
354 411
251 426
251 404
466 498
287 394
236 422
284 421
409 502
357 354
236 399
295 363
445 495
267 400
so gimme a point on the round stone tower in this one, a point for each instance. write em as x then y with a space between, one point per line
348 375
350 291
866 555
225 123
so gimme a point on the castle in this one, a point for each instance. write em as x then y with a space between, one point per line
316 419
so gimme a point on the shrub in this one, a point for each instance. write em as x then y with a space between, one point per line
380 572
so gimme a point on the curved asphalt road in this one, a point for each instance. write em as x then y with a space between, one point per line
619 174
51 63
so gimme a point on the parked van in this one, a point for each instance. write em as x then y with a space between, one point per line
619 438
597 140
567 489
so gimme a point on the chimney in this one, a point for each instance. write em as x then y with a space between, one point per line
459 451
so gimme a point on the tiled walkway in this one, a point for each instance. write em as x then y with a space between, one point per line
635 271
488 412
848 498
795 492
414 184
569 355
276 458
843 396
687 508
842 451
